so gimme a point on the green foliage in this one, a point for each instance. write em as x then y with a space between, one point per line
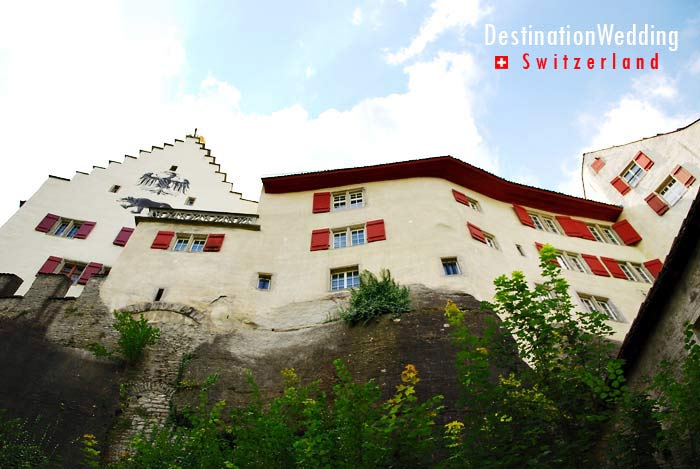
374 297
304 427
18 448
134 337
550 412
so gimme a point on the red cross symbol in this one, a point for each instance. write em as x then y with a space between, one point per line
501 62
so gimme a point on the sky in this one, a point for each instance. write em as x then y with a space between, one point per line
279 87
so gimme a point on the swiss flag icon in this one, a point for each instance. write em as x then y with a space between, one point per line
501 62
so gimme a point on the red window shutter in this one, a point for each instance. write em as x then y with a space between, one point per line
613 267
626 232
123 236
575 228
644 161
539 246
162 240
47 222
597 164
595 265
322 202
656 203
320 239
375 231
459 197
654 267
85 229
620 185
214 243
683 176
91 269
476 233
50 265
523 216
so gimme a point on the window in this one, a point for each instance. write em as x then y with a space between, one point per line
632 174
627 270
671 191
464 200
61 228
351 236
520 250
474 205
563 261
173 168
181 244
186 242
575 262
347 277
603 234
73 230
603 305
450 266
490 241
115 188
550 225
67 228
198 244
72 270
264 281
159 294
190 201
537 221
348 199
641 272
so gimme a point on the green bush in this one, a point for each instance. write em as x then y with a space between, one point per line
375 297
134 337
17 446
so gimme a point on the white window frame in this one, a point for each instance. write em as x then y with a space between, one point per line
671 191
628 271
348 277
632 174
490 240
536 221
641 273
347 235
604 305
576 261
595 231
193 242
563 261
450 266
550 225
611 236
349 199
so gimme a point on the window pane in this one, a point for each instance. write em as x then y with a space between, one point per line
264 283
358 237
672 191
450 267
596 233
339 201
340 240
627 271
643 274
356 199
73 231
337 281
633 175
611 236
550 225
538 223
197 245
353 279
576 263
563 262
607 309
61 228
181 244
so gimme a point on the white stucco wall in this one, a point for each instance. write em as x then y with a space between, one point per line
681 147
86 197
423 224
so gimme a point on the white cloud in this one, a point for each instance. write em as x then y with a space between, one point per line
446 14
357 16
70 103
655 85
694 66
633 117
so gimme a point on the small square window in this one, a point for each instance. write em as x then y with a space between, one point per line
490 241
264 281
450 266
354 198
173 168
159 294
115 188
190 201
520 250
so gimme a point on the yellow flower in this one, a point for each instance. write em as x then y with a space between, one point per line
410 375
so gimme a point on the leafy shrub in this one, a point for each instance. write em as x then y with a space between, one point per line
17 447
134 337
375 297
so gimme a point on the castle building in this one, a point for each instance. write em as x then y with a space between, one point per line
165 227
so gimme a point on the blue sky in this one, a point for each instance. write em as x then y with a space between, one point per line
280 87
